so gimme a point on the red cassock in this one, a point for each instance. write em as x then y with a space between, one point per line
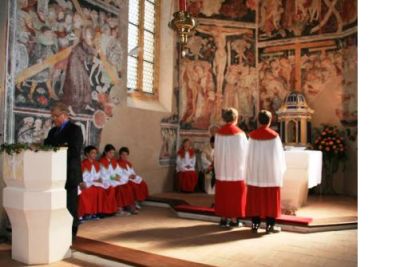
139 189
264 173
187 177
109 201
187 181
263 201
229 163
88 202
123 192
97 198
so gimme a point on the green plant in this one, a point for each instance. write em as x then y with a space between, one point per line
18 147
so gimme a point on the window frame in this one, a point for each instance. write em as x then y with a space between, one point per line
138 92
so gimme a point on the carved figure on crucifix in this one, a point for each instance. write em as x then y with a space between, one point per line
220 58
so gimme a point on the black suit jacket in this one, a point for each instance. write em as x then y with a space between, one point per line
70 136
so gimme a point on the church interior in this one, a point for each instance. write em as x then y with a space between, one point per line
149 74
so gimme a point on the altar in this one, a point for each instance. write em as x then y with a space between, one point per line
304 168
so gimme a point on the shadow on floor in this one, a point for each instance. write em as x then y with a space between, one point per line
198 235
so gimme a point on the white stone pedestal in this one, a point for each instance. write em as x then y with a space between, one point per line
35 201
303 171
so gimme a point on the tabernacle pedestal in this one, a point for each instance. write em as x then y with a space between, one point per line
303 171
35 201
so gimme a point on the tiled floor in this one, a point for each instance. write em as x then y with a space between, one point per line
323 209
158 230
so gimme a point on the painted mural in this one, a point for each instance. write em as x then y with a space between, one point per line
169 135
169 138
218 72
227 66
276 78
237 10
348 114
326 72
280 19
66 51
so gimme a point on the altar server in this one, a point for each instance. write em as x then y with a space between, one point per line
264 174
138 185
99 195
112 173
185 164
229 162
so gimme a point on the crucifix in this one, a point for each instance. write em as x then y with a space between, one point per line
321 45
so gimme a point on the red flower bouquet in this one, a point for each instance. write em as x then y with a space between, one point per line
330 140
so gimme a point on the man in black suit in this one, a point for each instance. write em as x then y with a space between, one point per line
66 133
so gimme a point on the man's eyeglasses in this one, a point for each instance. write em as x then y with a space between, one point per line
55 116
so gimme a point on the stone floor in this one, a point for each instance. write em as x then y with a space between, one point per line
159 231
322 209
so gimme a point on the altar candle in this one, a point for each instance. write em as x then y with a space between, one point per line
182 5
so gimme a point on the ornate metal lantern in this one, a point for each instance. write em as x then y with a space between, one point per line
294 118
183 23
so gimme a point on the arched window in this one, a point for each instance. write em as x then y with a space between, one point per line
143 30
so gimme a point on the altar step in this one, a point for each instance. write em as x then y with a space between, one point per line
129 256
288 223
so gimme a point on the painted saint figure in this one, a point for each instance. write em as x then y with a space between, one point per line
77 89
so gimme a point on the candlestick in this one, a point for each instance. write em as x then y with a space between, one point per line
182 5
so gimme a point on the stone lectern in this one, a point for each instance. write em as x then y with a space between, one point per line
35 201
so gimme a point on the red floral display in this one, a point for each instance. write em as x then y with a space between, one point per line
330 141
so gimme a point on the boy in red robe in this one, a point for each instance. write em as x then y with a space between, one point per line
229 163
112 174
138 185
266 166
98 197
185 164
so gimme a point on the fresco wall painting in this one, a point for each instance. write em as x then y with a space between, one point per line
169 135
232 65
66 51
282 19
234 10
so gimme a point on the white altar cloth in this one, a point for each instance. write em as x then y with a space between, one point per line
304 168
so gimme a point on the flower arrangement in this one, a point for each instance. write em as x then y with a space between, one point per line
18 147
330 140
